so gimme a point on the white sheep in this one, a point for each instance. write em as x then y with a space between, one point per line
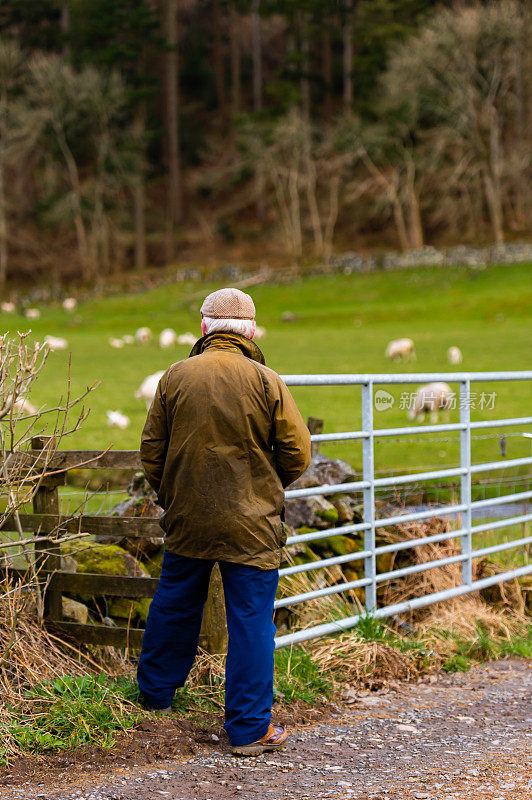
429 399
70 304
401 349
143 335
127 338
260 332
116 343
115 419
24 406
167 338
148 387
32 313
454 355
187 338
56 342
7 307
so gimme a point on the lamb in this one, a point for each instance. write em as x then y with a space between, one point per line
429 399
187 338
167 338
260 332
24 406
70 304
148 387
143 335
7 307
401 349
127 338
115 419
32 313
454 355
116 343
56 343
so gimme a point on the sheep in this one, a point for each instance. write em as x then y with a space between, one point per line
187 338
260 332
148 387
127 338
115 419
70 304
167 338
24 406
454 355
401 348
32 313
56 343
143 335
116 343
7 307
429 399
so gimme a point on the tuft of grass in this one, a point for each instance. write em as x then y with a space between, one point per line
70 712
298 677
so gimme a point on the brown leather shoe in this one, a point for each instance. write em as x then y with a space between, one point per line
275 739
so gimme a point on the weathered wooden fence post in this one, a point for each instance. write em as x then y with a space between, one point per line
48 553
315 425
213 636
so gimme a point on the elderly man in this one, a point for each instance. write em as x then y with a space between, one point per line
222 439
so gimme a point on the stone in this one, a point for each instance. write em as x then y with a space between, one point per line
311 512
75 611
107 560
323 470
142 502
68 564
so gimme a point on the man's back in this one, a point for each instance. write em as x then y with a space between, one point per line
233 437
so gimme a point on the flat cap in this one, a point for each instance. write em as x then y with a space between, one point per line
228 304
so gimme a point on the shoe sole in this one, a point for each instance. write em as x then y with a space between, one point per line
258 749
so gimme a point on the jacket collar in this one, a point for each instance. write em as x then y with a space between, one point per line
228 341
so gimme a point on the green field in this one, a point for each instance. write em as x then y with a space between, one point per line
343 325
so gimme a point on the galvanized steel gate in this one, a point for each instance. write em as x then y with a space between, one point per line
370 483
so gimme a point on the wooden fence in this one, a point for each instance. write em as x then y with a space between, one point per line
46 519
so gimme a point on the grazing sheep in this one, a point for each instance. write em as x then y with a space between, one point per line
187 338
7 307
148 387
127 338
429 399
70 304
454 355
260 332
143 335
115 419
24 406
116 343
167 338
401 349
32 313
56 343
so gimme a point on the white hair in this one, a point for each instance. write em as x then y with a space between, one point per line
245 327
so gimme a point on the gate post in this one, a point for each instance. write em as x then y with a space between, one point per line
369 495
48 554
213 634
465 480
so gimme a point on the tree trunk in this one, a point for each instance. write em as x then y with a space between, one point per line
139 196
492 180
327 71
257 97
236 87
171 88
218 57
3 227
305 66
348 56
494 205
414 212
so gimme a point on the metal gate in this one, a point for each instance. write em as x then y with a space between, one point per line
369 483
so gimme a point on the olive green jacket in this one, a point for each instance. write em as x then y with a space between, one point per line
222 438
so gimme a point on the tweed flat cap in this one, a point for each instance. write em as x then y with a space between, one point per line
228 304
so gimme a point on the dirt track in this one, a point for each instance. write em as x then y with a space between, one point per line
463 736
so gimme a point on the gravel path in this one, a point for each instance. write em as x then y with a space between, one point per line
455 737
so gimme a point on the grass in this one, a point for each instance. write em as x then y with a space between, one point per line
343 325
70 712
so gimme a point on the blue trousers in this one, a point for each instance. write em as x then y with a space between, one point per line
172 631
